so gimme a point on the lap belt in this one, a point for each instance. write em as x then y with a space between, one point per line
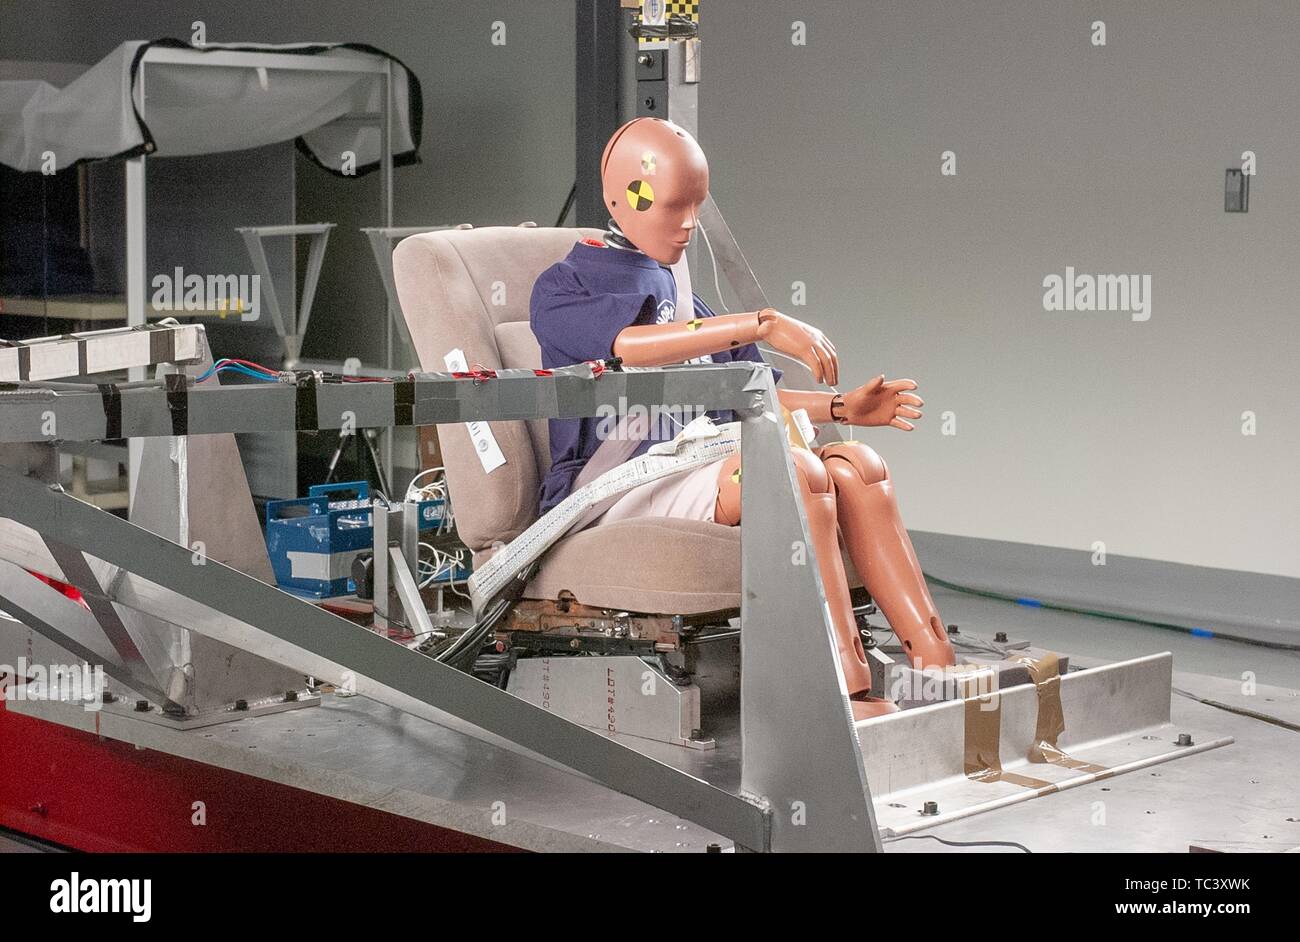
698 444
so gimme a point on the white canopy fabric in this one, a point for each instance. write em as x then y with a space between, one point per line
192 108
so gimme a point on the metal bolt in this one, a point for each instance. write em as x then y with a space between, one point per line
142 706
107 696
1185 739
290 696
241 704
646 59
40 809
649 103
1000 637
930 808
954 630
713 849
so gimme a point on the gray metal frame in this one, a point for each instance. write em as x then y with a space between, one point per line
137 272
804 786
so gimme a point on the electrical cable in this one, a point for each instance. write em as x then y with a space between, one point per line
931 837
1114 616
568 204
1240 711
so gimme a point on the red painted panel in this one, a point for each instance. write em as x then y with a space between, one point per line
76 789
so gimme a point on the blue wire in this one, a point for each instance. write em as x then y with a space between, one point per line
225 366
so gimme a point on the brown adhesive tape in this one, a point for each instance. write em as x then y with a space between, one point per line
1045 672
983 762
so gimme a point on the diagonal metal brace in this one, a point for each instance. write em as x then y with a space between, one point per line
307 634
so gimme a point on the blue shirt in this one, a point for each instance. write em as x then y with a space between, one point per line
578 307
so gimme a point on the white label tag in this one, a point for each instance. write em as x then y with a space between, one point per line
480 433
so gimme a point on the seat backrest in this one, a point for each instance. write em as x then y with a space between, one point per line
469 290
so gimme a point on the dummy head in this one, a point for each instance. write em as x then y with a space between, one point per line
655 177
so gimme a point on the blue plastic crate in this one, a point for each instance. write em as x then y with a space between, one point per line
431 513
312 540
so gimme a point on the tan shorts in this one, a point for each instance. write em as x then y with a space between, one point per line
689 495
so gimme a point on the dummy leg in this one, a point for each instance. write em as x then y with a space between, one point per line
819 504
882 552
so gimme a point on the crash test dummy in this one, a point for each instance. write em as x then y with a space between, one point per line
616 297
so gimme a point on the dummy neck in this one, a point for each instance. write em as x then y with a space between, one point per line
615 239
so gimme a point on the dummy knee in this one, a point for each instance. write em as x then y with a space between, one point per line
808 468
810 471
853 462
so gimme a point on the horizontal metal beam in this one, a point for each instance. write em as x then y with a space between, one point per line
41 414
298 634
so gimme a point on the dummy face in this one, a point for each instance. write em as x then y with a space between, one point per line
655 178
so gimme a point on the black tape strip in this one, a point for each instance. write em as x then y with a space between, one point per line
82 347
160 351
112 399
178 402
305 414
24 363
404 402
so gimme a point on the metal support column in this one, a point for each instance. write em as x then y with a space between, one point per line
799 748
604 55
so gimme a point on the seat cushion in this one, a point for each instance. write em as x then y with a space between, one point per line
647 564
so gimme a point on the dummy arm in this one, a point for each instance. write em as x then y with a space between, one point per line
663 344
878 402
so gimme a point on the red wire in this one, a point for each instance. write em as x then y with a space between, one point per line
250 364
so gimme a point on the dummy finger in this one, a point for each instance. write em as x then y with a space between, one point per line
832 362
905 425
899 385
810 359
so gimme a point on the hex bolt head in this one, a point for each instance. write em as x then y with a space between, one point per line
107 696
1000 637
142 706
713 849
930 808
290 696
1185 739
954 630
241 704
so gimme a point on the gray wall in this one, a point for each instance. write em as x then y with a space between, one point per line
1071 428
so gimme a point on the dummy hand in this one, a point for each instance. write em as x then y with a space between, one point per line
882 403
801 341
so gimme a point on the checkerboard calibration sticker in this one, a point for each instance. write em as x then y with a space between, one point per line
659 12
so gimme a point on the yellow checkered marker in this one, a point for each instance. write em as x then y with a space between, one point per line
640 195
